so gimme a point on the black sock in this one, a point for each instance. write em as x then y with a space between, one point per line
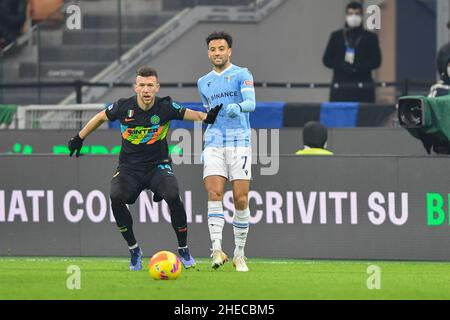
128 235
181 233
168 190
124 222
179 221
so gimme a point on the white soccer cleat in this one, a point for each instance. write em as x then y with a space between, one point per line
218 258
240 264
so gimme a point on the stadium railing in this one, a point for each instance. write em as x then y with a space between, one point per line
56 117
157 41
403 88
73 116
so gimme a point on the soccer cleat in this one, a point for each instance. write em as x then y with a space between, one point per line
218 258
187 260
240 264
136 259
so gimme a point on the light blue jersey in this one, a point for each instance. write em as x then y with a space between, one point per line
234 85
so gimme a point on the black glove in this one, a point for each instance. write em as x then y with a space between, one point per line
157 198
75 144
212 114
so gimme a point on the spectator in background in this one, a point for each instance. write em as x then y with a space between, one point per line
442 62
353 53
13 14
315 136
442 87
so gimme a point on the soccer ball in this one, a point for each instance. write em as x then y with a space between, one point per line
164 265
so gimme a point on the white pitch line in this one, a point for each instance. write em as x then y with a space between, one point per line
206 261
120 260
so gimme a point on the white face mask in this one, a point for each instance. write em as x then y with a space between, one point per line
354 20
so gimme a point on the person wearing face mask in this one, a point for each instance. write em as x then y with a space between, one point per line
352 53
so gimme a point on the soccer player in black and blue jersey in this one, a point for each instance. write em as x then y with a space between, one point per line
144 161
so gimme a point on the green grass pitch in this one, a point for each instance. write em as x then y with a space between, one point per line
109 278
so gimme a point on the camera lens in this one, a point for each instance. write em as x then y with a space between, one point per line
410 113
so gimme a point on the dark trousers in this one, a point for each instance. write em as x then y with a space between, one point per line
127 184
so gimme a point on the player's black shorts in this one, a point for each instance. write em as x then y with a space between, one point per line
129 183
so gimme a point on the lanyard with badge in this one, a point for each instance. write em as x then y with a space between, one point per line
350 50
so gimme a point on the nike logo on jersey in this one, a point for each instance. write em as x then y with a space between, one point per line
128 120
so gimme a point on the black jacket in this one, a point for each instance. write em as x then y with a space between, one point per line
13 14
443 58
367 58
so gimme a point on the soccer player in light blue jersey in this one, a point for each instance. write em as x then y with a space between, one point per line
227 151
